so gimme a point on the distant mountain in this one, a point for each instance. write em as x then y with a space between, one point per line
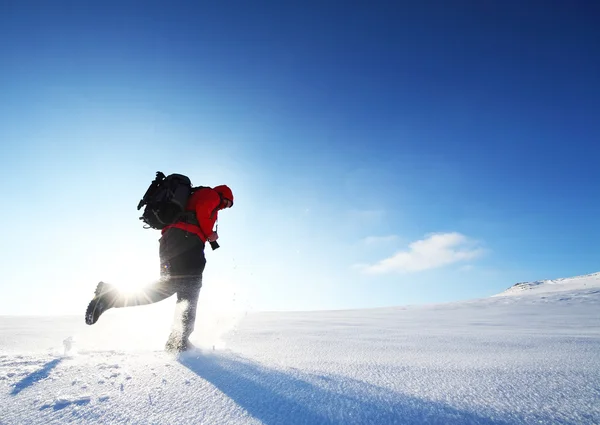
554 285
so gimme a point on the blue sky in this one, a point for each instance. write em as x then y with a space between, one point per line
380 153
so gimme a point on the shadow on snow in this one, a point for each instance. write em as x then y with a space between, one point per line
296 397
36 376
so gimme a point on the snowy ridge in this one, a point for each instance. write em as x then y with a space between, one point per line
576 283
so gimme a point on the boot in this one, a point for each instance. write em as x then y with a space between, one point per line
177 343
104 297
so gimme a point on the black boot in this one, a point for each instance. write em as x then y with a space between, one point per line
103 300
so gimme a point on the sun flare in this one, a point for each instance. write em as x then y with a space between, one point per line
131 272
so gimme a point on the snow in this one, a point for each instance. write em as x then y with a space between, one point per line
526 356
556 285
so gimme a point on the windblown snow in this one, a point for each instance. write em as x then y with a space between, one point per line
530 355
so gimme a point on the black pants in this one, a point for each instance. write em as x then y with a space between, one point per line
182 263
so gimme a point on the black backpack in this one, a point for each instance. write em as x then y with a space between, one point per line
165 200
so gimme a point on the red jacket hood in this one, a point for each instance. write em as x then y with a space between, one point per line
225 192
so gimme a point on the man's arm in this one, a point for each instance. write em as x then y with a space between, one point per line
206 210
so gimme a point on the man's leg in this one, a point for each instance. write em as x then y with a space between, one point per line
107 296
188 297
172 244
185 315
184 260
150 294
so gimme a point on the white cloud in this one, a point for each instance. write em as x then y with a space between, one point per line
437 250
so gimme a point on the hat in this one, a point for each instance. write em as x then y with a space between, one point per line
225 192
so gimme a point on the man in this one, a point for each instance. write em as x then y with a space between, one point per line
182 263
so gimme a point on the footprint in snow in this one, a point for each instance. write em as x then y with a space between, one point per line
108 366
24 363
61 403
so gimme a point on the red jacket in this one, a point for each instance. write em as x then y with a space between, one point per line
206 203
